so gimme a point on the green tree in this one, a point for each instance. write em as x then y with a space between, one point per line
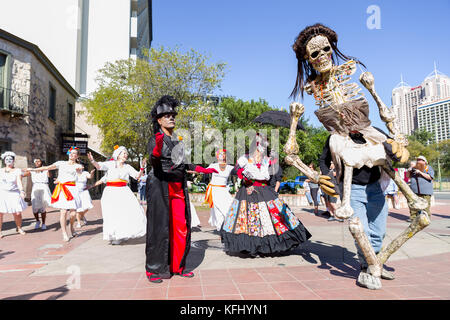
418 146
235 114
128 89
422 135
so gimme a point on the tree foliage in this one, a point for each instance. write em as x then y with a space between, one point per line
236 114
128 89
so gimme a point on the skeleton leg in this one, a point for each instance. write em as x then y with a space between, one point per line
345 211
420 222
414 202
372 278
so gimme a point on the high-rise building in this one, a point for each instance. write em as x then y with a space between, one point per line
435 117
407 99
81 36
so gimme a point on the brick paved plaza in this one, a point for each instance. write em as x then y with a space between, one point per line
41 266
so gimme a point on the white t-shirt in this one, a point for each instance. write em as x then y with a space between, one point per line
39 177
67 172
82 180
8 180
220 178
113 172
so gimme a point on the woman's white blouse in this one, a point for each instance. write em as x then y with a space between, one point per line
39 177
113 172
67 172
220 178
8 180
82 180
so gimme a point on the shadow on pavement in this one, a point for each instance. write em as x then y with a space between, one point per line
398 216
5 253
197 252
340 261
440 216
59 292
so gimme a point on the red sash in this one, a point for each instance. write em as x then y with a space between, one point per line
62 187
116 183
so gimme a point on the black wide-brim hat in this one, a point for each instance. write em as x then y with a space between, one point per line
165 109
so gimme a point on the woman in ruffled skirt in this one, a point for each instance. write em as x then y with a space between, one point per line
85 197
123 216
41 197
12 194
65 197
258 222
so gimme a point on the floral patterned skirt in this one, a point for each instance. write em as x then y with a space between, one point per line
260 222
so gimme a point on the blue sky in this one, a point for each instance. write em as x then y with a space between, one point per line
255 37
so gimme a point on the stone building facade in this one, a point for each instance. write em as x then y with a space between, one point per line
37 105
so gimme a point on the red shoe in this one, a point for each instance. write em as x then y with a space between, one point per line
185 275
153 277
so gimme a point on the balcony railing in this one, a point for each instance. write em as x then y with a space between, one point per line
14 101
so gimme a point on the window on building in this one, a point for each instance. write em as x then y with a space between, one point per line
70 117
52 103
2 79
4 146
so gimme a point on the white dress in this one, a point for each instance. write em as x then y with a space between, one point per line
123 216
41 197
85 197
67 173
10 199
195 221
221 196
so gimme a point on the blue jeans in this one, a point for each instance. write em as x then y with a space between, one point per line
369 205
142 193
308 196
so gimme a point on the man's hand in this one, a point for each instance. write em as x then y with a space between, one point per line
327 186
159 139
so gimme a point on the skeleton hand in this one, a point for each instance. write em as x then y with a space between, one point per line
327 186
399 150
367 80
296 109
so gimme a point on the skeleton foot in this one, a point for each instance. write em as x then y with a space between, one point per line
344 212
369 281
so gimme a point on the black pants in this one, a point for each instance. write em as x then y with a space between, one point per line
314 195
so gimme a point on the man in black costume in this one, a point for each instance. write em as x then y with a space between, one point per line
168 210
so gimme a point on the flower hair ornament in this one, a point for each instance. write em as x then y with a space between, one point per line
117 151
8 154
71 149
221 154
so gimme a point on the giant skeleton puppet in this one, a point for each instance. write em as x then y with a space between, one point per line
343 110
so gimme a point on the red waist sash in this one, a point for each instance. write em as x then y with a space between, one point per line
63 187
117 183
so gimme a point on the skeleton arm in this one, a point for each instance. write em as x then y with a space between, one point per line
291 148
386 114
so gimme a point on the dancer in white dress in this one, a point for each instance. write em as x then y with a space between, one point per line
41 196
65 196
123 216
12 194
217 193
85 197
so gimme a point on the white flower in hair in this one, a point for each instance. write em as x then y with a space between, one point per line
8 153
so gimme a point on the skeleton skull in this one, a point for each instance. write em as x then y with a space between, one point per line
319 52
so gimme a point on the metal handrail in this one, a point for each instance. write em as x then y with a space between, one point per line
14 101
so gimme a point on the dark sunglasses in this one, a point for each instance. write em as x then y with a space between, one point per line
169 115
